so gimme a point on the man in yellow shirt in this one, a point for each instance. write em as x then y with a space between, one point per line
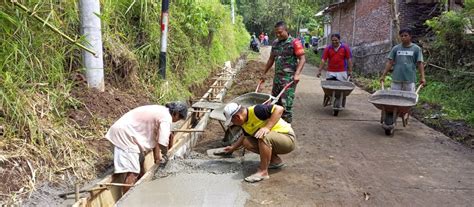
265 133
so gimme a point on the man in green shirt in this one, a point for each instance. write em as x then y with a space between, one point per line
405 58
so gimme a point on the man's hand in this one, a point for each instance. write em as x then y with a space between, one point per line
229 149
262 132
423 81
296 79
164 161
158 158
318 74
382 78
262 78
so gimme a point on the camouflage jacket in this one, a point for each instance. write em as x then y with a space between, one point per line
286 53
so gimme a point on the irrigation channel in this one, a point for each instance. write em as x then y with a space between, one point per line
189 178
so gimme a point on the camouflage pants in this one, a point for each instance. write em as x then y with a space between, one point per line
286 99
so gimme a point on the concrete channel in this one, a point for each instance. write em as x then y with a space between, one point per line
194 179
197 180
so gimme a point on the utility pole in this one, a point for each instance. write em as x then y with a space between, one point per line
164 35
91 30
232 8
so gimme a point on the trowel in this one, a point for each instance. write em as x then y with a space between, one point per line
219 153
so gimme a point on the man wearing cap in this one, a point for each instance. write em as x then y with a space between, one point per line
141 130
265 133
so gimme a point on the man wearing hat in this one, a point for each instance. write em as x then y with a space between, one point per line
141 130
265 133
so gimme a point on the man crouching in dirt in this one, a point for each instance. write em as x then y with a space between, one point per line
140 130
265 133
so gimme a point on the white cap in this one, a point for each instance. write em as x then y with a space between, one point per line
230 110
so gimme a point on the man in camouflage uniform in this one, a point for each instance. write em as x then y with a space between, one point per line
288 56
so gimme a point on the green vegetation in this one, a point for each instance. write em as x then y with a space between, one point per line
453 49
261 15
37 67
312 58
456 103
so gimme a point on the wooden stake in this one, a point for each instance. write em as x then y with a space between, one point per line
76 192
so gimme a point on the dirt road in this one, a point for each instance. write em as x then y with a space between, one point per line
339 161
344 160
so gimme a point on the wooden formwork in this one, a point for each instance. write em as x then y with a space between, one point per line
108 191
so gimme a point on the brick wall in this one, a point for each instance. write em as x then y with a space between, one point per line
372 21
369 37
414 15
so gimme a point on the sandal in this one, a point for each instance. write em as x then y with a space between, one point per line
276 165
256 178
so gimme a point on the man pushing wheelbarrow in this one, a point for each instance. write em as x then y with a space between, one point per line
288 55
404 58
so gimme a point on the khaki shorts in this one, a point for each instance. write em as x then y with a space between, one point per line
400 86
279 142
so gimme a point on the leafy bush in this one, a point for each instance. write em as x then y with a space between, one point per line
452 46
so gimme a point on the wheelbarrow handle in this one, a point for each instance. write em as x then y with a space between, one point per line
281 92
419 88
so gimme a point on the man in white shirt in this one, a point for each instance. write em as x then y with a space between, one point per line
140 130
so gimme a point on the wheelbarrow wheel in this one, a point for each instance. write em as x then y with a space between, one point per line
389 118
335 112
389 132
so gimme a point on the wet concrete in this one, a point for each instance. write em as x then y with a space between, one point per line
198 180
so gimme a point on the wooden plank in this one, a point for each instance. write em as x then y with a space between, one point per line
116 184
188 130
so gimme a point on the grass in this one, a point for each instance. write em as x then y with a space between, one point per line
456 104
37 66
312 58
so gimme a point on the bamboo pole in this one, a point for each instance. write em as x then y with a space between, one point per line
32 13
